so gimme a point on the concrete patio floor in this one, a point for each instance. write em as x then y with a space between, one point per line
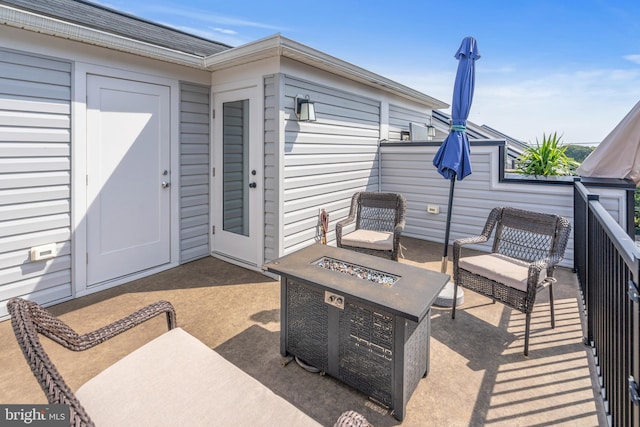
478 374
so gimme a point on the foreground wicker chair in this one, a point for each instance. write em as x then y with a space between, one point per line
379 220
30 319
527 246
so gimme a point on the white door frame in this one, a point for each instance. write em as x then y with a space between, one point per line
79 173
252 90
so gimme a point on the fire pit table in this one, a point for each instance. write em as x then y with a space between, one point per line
361 319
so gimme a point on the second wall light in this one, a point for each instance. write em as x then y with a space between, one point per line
305 109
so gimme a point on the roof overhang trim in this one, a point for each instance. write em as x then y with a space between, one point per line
57 28
278 45
273 46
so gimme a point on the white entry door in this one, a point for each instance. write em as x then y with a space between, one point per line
128 177
238 176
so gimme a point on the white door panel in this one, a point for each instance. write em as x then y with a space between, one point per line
238 179
128 152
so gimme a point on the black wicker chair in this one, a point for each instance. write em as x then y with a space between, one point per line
527 246
379 220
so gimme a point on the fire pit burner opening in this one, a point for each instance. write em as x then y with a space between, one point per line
359 271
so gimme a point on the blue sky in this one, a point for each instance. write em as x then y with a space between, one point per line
566 66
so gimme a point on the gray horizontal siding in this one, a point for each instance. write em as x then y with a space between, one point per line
324 162
409 170
35 171
272 86
194 171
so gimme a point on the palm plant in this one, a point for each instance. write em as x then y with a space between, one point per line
547 158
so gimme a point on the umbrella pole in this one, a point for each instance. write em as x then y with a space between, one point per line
450 295
445 255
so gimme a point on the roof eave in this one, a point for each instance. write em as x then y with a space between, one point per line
46 25
269 47
278 45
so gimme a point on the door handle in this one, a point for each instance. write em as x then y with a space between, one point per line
252 185
166 184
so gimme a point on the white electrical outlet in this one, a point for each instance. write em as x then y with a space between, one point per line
433 209
39 253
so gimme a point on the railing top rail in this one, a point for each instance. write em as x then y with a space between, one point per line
620 239
584 191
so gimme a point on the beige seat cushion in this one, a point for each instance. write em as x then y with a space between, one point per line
176 380
369 239
500 268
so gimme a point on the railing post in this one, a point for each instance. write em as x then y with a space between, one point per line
583 254
608 266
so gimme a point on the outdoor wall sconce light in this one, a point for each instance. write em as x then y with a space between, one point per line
431 131
305 109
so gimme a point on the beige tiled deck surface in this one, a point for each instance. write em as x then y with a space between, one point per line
478 374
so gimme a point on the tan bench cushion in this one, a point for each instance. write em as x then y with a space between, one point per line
177 380
500 268
369 239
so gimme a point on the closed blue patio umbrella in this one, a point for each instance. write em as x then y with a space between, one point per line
452 159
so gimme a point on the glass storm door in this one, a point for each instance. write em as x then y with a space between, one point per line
237 176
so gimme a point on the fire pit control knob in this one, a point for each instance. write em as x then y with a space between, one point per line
334 300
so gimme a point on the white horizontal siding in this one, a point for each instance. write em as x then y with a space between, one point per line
15 197
26 149
34 134
14 212
33 104
35 170
38 180
9 260
37 164
194 171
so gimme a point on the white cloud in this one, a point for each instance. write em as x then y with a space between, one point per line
204 16
225 31
633 58
228 37
583 105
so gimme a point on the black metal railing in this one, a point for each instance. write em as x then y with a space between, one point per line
608 268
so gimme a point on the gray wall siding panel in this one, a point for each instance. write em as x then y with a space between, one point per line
325 161
409 170
28 89
194 171
273 85
35 169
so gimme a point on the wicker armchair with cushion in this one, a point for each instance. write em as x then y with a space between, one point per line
527 246
172 380
379 220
